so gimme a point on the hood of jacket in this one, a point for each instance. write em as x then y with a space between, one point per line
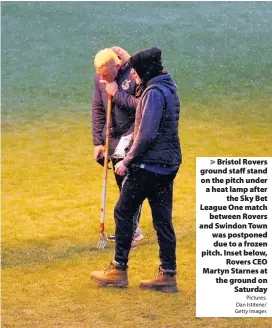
165 80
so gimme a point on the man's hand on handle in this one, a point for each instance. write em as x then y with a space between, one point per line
111 87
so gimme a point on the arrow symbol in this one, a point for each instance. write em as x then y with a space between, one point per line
212 161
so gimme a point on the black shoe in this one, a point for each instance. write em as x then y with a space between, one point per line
111 238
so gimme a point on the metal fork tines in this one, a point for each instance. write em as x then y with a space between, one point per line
102 242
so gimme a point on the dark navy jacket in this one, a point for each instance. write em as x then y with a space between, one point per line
122 118
156 139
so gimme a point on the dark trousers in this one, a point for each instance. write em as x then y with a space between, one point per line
119 181
138 185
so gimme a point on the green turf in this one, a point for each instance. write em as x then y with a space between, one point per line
219 54
51 211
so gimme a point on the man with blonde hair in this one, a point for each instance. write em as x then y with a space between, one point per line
112 72
107 64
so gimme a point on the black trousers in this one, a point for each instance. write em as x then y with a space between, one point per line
119 181
138 185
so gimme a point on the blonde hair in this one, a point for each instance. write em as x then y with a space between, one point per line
105 57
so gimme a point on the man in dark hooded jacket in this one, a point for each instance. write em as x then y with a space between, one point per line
150 167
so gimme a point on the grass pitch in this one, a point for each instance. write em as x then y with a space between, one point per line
51 212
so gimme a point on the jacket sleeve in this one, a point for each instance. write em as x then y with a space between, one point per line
125 100
152 108
98 114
